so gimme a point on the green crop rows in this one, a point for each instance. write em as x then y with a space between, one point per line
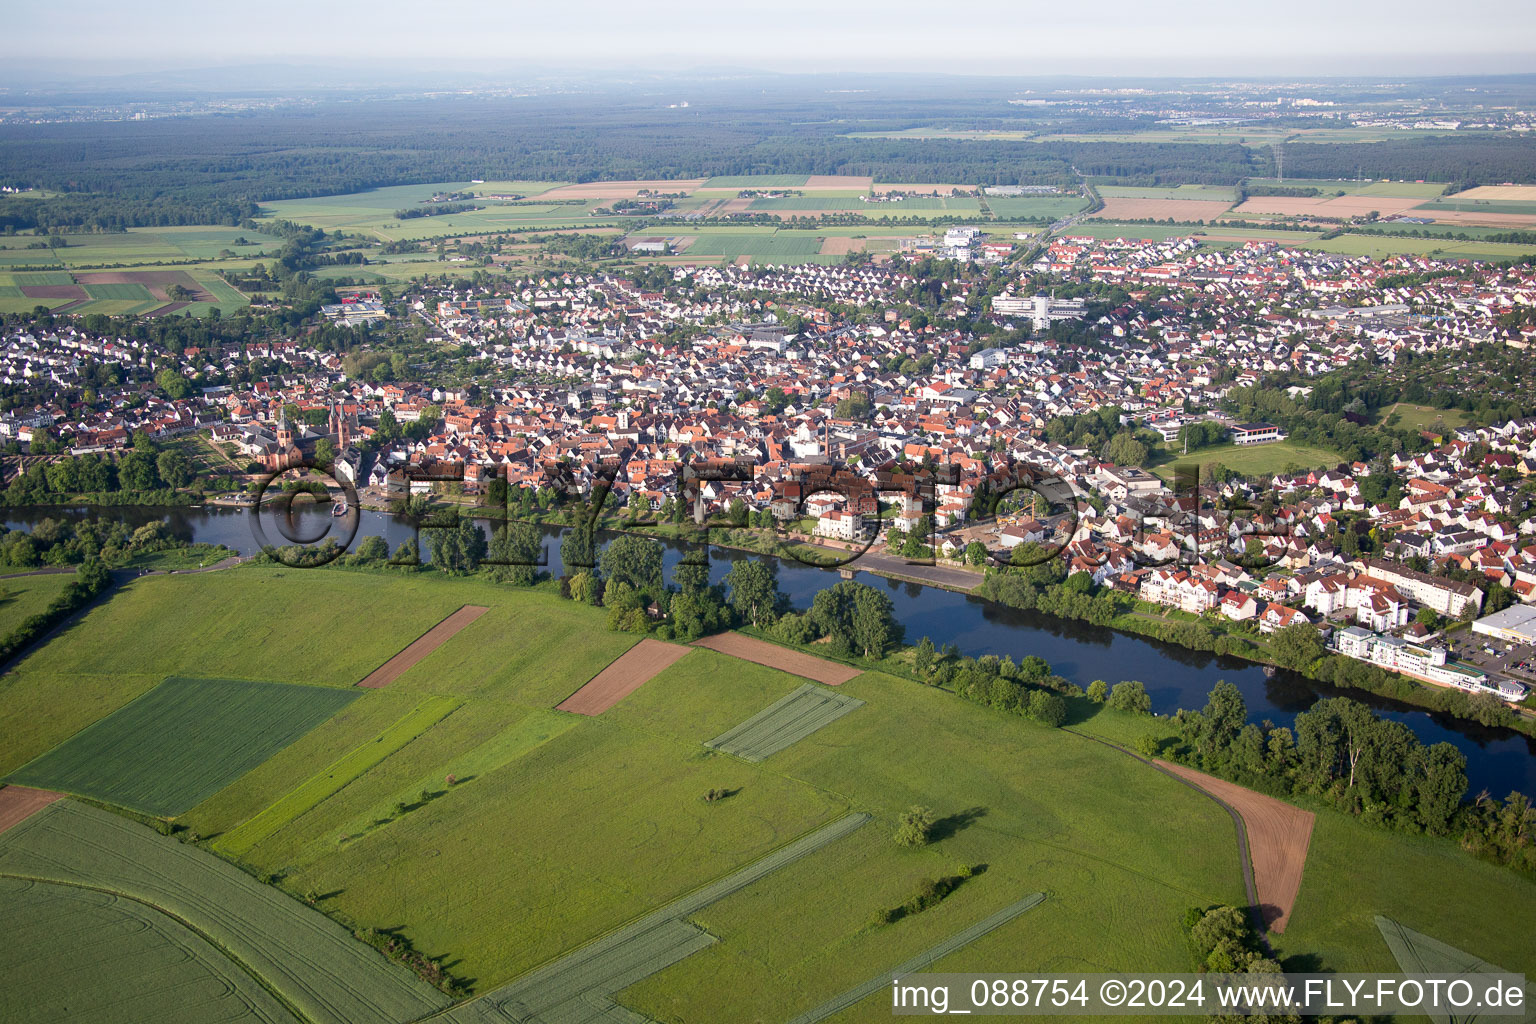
182 742
94 958
309 961
784 722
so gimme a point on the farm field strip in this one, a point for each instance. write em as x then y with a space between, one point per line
309 960
1417 953
1278 836
18 803
761 652
648 944
626 674
785 722
348 767
422 646
184 740
922 960
96 958
521 738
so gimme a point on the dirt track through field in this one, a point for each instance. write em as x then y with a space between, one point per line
1278 836
762 652
424 645
18 803
623 676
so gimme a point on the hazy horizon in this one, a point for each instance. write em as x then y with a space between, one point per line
86 38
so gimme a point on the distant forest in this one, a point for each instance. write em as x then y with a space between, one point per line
213 169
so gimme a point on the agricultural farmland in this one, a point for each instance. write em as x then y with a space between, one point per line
508 835
181 742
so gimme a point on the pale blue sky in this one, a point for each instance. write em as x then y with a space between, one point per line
1301 37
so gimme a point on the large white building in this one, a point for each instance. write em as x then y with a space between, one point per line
1516 624
1425 663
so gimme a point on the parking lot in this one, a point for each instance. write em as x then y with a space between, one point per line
1496 657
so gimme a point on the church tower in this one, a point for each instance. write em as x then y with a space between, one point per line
284 433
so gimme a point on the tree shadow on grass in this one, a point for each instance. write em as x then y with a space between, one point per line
955 823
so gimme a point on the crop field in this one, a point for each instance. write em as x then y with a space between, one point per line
1161 209
739 645
26 596
914 205
1344 206
181 742
139 247
308 960
1521 206
1328 186
755 181
79 955
323 784
1498 193
1421 883
760 248
1034 207
1208 193
786 721
137 290
920 962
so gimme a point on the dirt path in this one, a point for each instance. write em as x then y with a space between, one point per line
1278 837
762 652
623 676
424 645
18 803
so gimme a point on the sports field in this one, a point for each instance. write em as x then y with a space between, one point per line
507 835
181 742
1255 459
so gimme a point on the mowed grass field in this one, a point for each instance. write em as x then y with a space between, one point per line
181 742
558 829
1423 417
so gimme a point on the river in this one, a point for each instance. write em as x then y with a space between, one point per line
1497 759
